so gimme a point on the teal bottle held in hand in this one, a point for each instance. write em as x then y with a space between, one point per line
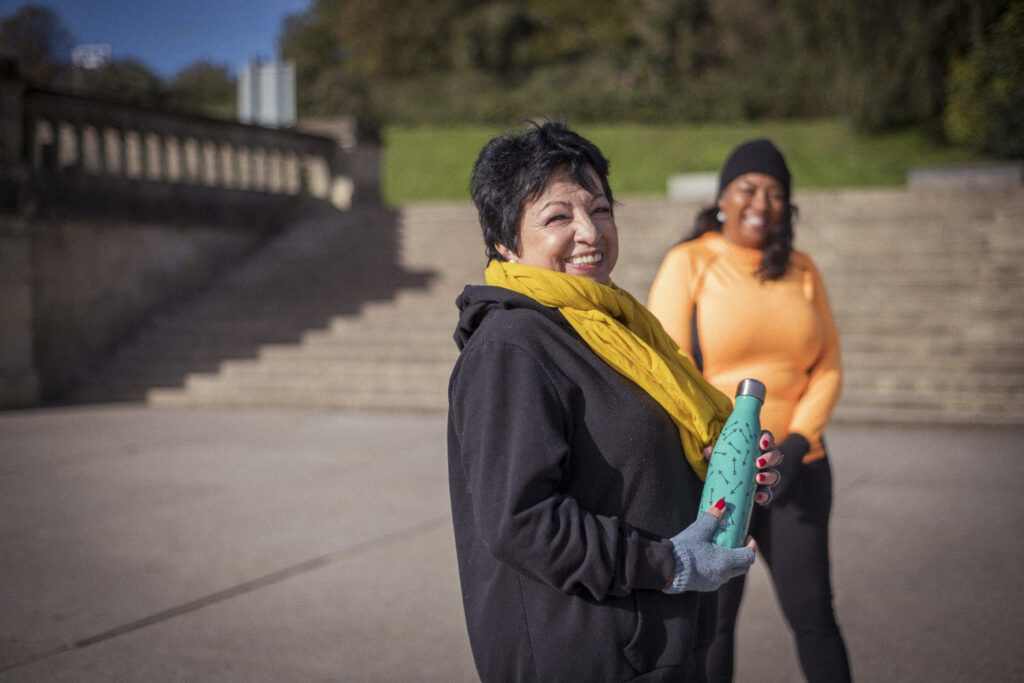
732 471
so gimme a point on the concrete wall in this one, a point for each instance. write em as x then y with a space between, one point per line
19 382
93 282
109 213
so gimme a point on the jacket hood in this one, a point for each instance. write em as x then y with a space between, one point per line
477 301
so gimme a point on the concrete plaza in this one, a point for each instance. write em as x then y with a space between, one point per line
171 544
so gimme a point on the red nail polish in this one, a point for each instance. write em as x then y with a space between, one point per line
764 443
720 505
761 462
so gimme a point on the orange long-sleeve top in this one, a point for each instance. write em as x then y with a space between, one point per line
778 331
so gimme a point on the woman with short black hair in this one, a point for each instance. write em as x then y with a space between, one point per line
577 441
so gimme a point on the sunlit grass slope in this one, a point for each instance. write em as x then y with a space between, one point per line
433 164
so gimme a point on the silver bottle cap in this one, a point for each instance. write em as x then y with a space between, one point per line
751 387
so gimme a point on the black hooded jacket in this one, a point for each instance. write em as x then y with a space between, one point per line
565 479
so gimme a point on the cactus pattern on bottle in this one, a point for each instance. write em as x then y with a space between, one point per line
732 471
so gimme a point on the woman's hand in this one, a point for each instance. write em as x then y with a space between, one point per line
767 478
700 564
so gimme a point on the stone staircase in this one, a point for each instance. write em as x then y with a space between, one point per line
928 291
930 303
322 317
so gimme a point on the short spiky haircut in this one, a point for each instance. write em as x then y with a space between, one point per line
513 169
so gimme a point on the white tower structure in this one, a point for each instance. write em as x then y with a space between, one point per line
266 93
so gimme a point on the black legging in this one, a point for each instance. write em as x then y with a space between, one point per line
793 538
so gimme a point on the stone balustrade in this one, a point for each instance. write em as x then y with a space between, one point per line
62 152
110 213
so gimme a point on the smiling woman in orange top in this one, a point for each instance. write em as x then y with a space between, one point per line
742 303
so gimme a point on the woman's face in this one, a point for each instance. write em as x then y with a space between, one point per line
752 203
568 229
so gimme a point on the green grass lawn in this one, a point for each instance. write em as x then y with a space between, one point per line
433 164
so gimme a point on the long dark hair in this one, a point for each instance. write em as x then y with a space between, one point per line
778 243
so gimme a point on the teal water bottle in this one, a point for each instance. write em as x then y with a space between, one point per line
733 466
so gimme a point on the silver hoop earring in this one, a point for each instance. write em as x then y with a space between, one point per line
720 216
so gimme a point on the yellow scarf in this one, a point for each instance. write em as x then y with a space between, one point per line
628 337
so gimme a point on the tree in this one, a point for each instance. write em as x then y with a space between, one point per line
204 88
672 43
894 59
310 40
34 38
881 64
494 40
122 80
986 87
771 59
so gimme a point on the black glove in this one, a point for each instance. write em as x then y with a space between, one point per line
793 448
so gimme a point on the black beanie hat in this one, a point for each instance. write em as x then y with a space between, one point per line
754 156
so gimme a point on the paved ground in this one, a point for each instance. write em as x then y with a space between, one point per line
143 544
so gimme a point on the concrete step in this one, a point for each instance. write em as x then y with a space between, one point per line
959 306
184 345
168 368
292 398
898 205
328 349
968 329
962 364
435 324
316 371
921 413
978 405
946 347
927 381
881 269
928 292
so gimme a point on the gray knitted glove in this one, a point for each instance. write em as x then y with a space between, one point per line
700 564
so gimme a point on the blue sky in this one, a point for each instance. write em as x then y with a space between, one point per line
167 35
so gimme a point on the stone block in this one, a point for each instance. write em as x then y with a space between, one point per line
18 389
693 186
994 176
18 385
